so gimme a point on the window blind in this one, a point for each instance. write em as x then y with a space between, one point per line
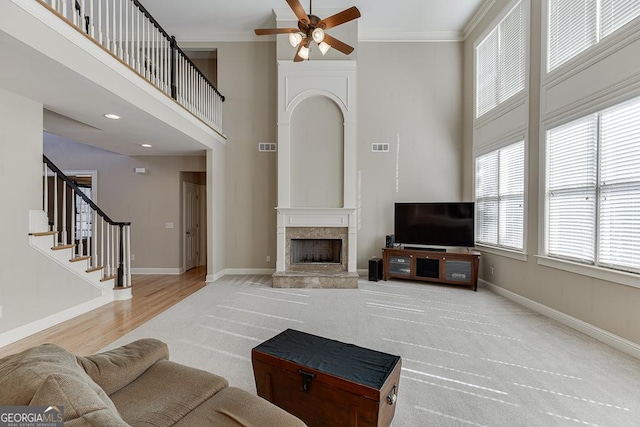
501 61
616 13
574 26
511 202
512 53
487 179
487 74
571 161
619 221
500 197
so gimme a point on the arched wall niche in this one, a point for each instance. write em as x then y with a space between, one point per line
317 154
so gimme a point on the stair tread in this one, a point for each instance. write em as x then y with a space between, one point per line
80 258
60 247
105 278
92 269
43 233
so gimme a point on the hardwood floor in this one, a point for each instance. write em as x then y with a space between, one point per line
88 333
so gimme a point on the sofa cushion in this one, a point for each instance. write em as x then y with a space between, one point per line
116 368
22 374
165 393
82 406
233 407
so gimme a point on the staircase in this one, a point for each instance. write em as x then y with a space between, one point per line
74 232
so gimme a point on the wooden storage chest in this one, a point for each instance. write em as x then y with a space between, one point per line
326 382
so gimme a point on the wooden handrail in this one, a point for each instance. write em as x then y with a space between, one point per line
79 192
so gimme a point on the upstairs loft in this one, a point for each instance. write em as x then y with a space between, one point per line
84 58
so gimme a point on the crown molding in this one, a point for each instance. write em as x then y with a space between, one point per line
477 18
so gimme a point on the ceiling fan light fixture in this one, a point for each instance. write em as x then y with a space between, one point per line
318 35
295 39
324 47
304 52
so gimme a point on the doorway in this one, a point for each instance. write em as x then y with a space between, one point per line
193 231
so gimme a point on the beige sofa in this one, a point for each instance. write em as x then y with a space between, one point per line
133 385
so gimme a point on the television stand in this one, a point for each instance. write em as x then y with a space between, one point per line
455 266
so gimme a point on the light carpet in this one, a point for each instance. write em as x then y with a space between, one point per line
468 358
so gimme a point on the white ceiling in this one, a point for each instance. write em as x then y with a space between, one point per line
402 20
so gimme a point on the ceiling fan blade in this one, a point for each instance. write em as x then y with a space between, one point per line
340 18
337 44
266 31
298 10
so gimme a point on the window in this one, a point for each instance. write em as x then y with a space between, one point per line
500 197
593 189
574 26
500 61
84 214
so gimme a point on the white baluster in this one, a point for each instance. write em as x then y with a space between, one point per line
64 215
80 234
55 203
107 264
128 269
45 202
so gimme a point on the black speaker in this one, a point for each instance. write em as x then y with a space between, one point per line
391 240
375 269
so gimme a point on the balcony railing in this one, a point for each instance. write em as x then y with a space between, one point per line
128 31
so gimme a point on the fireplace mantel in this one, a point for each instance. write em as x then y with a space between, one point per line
316 217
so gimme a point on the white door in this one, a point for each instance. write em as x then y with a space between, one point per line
191 219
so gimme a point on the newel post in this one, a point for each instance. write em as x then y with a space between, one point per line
174 66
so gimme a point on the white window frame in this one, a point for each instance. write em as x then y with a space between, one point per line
509 252
516 98
587 56
594 270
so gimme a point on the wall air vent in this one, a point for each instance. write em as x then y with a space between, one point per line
380 148
267 147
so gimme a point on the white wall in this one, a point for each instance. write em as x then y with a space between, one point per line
608 309
317 154
32 286
409 95
247 77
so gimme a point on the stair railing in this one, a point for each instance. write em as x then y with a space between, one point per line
127 30
82 225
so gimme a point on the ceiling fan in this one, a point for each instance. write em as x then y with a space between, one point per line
312 28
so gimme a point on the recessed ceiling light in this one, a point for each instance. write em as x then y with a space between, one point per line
146 145
112 116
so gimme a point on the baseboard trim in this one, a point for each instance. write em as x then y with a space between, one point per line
166 271
41 324
363 272
606 337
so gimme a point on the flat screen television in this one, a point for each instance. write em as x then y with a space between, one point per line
436 224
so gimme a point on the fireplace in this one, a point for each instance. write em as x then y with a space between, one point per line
316 251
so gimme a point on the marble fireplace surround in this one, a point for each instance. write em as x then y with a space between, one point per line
329 223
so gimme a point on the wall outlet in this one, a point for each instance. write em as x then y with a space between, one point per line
491 270
133 257
0 312
268 258
168 225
